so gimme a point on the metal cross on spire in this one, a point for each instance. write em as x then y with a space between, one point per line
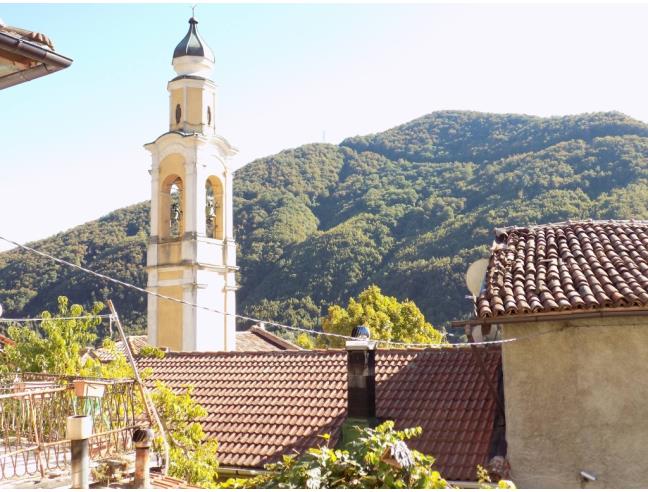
193 10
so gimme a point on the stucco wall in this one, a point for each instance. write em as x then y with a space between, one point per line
578 400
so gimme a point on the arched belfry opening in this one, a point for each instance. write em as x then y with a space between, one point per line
172 208
214 212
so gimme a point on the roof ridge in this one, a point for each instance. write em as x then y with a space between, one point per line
278 353
572 222
272 338
315 352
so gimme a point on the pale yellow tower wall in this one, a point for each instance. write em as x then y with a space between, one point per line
170 275
196 106
169 332
194 96
177 98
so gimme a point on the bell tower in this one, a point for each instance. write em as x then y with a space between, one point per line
191 251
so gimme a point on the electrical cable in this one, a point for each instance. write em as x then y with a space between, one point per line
272 323
25 320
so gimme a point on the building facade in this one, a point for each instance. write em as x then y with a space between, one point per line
573 299
191 252
576 402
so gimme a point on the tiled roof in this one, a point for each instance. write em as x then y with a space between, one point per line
257 339
160 481
136 342
263 405
254 339
572 266
4 340
445 392
34 37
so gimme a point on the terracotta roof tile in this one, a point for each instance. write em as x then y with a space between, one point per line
571 266
160 481
258 339
254 339
263 405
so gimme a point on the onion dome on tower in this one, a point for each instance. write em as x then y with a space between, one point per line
192 56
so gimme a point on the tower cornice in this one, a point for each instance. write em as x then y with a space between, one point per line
194 82
192 141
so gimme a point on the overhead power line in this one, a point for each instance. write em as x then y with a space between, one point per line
52 318
255 320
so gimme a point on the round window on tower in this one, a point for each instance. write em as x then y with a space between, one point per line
178 114
208 116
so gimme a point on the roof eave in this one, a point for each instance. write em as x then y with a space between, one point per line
49 61
553 316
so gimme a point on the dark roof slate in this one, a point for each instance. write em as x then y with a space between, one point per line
192 44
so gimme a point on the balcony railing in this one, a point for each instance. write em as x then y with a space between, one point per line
33 413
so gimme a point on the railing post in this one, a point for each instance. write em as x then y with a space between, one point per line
37 436
79 430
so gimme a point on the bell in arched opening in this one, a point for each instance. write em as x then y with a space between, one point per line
213 208
175 208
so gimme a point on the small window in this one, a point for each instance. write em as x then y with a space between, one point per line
178 114
208 116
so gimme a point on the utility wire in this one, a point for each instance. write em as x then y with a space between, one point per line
25 320
272 323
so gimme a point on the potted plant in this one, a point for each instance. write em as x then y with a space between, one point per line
88 388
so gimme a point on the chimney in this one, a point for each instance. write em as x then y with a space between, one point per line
79 431
361 384
142 439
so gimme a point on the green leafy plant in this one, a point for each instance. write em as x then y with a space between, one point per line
151 351
60 347
56 346
192 454
406 209
485 482
305 341
386 317
378 458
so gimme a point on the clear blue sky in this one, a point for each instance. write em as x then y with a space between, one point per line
72 141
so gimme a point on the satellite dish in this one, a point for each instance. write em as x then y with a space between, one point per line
475 276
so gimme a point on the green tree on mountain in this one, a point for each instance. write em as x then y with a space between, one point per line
385 316
407 209
55 346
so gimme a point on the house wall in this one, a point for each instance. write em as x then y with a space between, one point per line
578 400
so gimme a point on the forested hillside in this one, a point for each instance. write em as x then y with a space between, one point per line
407 209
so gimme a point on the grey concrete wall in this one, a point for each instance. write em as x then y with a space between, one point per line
578 400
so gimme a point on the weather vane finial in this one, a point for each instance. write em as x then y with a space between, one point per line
193 10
